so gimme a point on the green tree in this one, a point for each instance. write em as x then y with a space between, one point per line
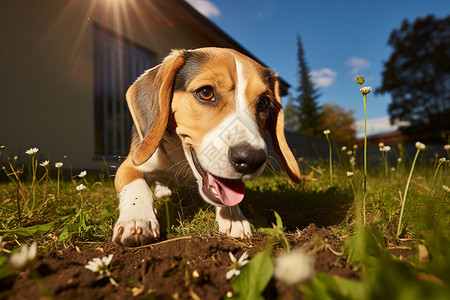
417 75
341 121
291 121
306 104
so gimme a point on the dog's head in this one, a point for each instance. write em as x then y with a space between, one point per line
219 102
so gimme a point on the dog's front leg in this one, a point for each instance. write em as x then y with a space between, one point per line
137 223
232 222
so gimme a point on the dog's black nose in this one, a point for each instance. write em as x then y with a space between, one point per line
245 159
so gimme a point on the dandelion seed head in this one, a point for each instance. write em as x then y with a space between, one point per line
295 267
420 146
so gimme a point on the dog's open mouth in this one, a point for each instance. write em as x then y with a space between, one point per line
223 191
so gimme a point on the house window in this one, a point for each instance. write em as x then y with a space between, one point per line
117 64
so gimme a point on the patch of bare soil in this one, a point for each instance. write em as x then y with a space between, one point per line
182 268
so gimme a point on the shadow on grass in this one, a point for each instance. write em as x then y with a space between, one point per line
297 208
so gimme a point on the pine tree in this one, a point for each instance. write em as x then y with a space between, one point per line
308 110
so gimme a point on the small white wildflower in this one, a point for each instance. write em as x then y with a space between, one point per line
98 265
32 151
343 148
392 169
2 148
355 147
44 163
353 160
349 174
295 267
420 146
442 160
399 159
81 187
365 90
386 148
447 147
446 188
58 165
381 145
349 152
82 174
236 265
326 132
26 256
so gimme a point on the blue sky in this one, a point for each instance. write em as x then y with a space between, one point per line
341 39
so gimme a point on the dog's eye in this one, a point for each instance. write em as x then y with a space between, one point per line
205 93
263 104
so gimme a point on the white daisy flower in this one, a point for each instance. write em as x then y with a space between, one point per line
365 90
236 265
98 265
295 267
81 187
420 146
82 174
26 256
58 165
44 163
32 151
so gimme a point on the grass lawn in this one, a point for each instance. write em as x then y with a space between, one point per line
360 250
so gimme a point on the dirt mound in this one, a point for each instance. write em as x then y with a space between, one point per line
178 268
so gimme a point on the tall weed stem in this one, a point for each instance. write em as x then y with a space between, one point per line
399 228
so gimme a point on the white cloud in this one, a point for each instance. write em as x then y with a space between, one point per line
377 125
357 64
323 77
205 7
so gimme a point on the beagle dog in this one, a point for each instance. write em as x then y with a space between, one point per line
201 114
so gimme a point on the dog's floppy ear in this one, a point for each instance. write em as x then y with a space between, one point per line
275 126
149 99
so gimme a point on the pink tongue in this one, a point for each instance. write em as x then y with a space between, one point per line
230 192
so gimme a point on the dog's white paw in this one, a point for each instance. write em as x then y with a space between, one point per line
132 233
162 191
232 222
137 224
